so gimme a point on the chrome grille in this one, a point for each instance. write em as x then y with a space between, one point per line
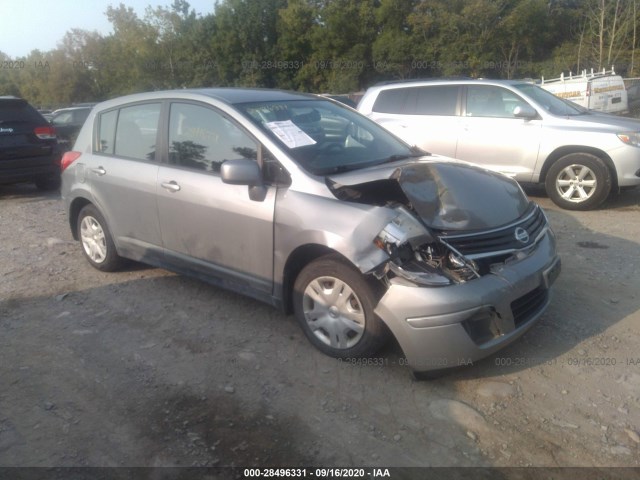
501 240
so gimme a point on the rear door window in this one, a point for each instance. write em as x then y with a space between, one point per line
136 131
437 100
129 132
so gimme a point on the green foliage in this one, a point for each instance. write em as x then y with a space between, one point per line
332 46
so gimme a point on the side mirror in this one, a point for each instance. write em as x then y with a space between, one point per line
245 172
241 172
525 111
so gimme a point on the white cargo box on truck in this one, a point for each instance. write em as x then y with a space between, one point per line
603 91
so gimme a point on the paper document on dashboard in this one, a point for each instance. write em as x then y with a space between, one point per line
290 134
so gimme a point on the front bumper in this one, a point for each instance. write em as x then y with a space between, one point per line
443 327
627 163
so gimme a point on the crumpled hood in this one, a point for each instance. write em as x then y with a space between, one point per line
446 195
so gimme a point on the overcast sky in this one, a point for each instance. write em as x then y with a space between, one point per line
27 25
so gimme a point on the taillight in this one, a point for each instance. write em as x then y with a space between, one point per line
45 133
68 158
588 89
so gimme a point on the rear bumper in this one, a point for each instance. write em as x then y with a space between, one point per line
26 169
450 326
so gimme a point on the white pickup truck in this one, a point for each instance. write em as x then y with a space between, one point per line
603 91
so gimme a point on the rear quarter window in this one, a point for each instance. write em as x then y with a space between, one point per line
392 101
106 132
428 100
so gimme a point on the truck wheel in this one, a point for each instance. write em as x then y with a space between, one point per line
334 305
578 181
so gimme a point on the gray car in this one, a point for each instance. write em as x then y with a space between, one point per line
516 128
305 204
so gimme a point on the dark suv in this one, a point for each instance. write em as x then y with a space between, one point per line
29 149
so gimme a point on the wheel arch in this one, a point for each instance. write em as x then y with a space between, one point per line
560 152
74 211
297 260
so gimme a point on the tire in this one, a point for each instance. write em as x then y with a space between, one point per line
334 303
48 183
95 238
578 181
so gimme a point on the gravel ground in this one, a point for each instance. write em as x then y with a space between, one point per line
148 368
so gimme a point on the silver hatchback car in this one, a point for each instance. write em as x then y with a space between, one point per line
303 203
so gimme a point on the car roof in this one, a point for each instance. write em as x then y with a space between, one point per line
231 96
249 95
67 109
445 81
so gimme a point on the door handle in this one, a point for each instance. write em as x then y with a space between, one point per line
99 171
172 186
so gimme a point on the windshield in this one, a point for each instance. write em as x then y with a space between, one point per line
324 137
551 103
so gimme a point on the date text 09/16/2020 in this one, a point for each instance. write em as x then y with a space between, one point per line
316 472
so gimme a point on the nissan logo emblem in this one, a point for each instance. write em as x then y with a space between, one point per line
521 235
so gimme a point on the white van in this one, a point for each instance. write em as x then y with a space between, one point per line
603 91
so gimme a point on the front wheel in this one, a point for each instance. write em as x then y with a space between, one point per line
97 244
334 305
578 181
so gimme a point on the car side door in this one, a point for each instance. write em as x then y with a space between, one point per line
492 135
122 174
209 227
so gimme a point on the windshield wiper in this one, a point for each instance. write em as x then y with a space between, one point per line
403 156
415 153
337 169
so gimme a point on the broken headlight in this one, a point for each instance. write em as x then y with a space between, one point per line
416 257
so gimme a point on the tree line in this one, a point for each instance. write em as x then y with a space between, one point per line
333 46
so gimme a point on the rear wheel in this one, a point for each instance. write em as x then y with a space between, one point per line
97 244
334 305
578 181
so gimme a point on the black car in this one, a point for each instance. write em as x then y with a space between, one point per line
29 150
68 122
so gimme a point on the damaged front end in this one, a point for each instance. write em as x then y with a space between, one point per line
455 222
416 256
